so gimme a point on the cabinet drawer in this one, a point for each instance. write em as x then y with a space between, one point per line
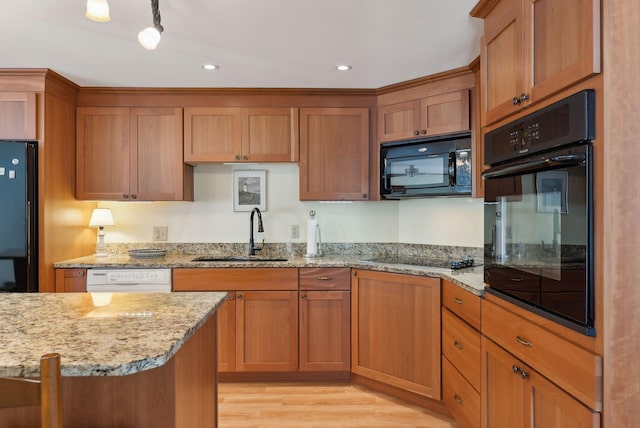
325 278
574 369
462 303
459 396
225 279
461 345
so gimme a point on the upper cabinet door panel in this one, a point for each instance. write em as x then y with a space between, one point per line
18 115
564 44
399 121
156 154
270 134
446 113
502 59
212 134
334 154
102 153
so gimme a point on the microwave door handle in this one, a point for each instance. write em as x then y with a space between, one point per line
452 169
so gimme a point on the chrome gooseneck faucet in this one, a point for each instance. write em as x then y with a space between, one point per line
252 246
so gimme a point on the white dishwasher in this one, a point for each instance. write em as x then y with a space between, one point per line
128 280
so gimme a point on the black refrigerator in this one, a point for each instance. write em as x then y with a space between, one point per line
18 216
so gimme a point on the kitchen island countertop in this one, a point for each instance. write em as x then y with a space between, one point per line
471 279
135 332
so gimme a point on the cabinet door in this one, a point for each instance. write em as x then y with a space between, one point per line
502 397
399 121
445 113
212 134
270 134
227 334
102 153
550 406
562 45
156 169
395 332
334 154
325 331
71 280
267 331
501 60
18 115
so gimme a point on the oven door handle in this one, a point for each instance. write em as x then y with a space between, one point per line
540 164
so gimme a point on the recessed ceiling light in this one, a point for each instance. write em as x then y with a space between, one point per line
210 67
343 67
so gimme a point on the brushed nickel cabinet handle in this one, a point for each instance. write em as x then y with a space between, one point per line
323 278
457 344
458 301
457 398
524 342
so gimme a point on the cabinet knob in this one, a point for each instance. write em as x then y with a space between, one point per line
81 273
229 296
515 101
303 296
524 374
134 196
457 344
124 196
515 368
237 157
457 398
245 157
239 296
524 97
364 196
416 133
423 131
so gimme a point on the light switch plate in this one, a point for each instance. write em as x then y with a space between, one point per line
160 233
295 231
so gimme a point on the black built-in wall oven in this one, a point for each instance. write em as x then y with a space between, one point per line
538 212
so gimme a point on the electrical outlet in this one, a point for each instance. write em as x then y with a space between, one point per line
295 231
160 233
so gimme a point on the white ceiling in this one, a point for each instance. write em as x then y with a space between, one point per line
257 43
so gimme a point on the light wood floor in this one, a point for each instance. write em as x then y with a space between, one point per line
260 405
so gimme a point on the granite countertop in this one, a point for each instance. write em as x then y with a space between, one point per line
135 332
471 279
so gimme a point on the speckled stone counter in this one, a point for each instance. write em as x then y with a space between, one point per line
135 332
470 279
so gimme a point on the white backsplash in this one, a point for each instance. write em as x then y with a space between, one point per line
436 221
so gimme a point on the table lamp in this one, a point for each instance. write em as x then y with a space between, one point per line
100 218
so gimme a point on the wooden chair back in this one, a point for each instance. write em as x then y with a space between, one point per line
46 391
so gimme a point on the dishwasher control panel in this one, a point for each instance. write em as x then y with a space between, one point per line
130 280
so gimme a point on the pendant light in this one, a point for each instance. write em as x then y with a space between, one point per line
98 10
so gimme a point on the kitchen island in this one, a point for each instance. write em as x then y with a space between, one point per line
143 360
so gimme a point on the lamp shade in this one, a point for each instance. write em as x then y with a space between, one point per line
98 10
101 217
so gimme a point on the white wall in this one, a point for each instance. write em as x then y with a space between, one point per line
438 221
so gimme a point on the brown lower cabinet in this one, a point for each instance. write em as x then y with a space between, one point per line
396 330
71 280
516 396
267 326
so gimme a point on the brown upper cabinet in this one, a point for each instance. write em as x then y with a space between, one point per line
334 154
18 115
429 116
131 154
532 49
233 134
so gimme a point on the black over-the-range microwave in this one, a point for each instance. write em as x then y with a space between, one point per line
438 166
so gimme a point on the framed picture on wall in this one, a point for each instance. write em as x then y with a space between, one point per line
249 190
551 188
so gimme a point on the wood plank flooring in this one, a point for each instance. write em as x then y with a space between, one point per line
262 405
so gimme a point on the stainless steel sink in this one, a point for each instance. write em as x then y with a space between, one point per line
238 259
